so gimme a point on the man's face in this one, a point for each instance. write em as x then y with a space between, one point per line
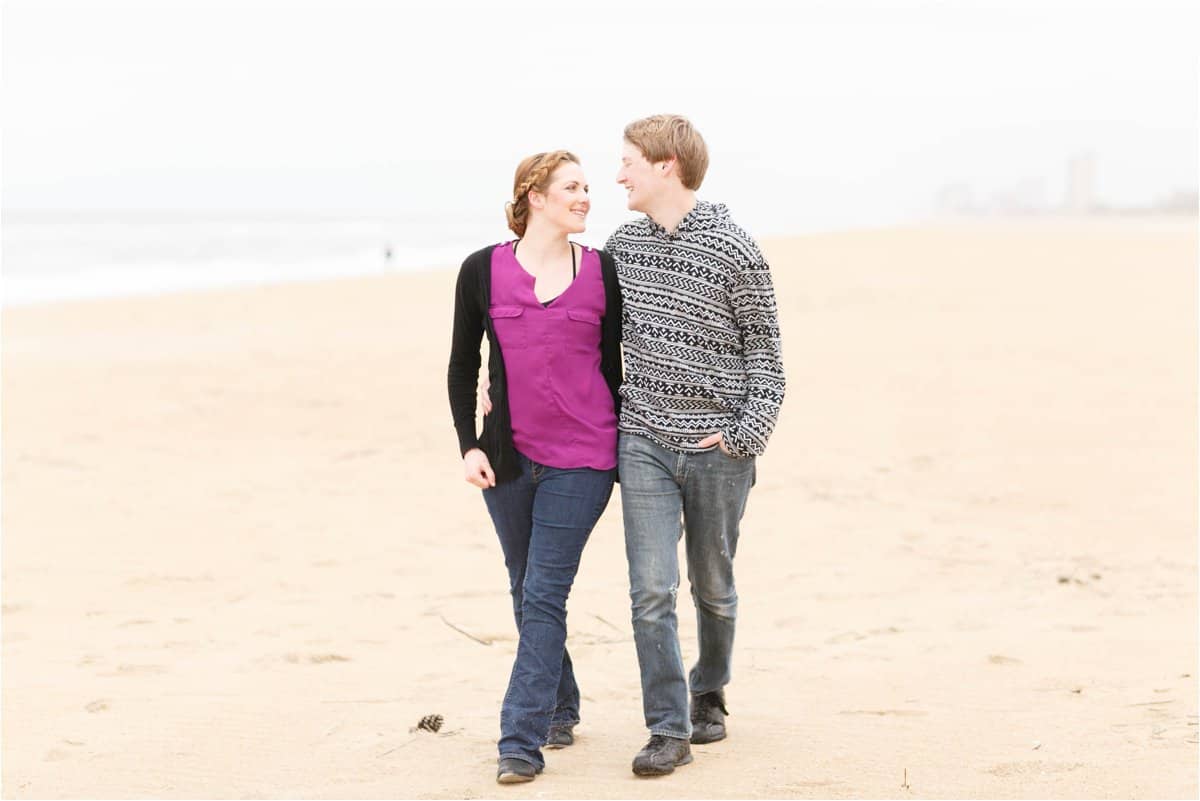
642 181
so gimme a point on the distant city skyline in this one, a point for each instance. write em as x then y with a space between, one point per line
1078 196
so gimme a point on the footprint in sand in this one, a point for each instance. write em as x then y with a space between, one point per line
1007 769
852 636
156 580
315 659
126 669
803 787
370 597
997 659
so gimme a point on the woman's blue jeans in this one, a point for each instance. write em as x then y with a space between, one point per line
543 519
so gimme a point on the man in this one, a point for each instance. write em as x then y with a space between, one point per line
703 385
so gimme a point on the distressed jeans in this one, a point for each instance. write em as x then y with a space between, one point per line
543 519
666 495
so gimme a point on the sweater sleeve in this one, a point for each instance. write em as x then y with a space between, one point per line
462 376
754 308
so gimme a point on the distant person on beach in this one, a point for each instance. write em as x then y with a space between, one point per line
547 454
704 383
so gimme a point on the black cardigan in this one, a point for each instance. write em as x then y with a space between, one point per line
472 298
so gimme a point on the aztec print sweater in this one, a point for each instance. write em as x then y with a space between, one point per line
700 333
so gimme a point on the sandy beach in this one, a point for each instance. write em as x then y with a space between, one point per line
239 558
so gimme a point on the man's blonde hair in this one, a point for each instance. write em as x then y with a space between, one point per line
666 136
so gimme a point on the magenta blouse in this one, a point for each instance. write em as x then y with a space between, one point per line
561 407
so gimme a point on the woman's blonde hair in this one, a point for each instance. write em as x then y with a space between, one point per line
665 136
533 174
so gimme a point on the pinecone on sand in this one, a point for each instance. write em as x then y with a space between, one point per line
430 723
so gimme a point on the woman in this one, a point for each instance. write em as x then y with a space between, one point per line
546 458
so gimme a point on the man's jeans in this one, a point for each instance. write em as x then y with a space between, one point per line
706 492
543 519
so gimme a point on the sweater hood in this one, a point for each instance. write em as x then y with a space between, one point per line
704 216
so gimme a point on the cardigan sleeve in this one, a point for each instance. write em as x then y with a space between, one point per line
462 375
610 331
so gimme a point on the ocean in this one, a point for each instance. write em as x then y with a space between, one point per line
53 257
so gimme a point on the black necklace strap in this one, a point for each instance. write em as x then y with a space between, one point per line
574 270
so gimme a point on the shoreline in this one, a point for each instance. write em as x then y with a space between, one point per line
964 223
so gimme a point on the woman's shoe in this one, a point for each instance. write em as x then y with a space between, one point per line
514 771
561 736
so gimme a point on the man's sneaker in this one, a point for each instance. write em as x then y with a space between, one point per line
561 736
513 771
708 717
662 755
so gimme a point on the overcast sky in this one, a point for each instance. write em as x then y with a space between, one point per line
821 113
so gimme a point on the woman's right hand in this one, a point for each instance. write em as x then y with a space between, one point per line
478 469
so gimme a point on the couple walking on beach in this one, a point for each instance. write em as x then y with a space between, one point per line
687 296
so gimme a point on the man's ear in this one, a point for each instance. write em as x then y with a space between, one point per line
668 167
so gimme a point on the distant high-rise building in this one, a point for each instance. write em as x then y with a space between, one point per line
1181 201
955 199
1081 184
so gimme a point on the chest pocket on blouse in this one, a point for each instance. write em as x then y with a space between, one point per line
509 326
583 332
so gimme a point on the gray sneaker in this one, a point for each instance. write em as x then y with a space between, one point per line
561 736
662 755
511 770
708 717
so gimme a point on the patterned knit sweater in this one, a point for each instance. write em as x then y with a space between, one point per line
700 333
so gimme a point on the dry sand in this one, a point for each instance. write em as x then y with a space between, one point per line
238 551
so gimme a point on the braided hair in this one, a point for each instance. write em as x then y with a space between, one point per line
533 175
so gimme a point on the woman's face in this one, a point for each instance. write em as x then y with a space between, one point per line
565 203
